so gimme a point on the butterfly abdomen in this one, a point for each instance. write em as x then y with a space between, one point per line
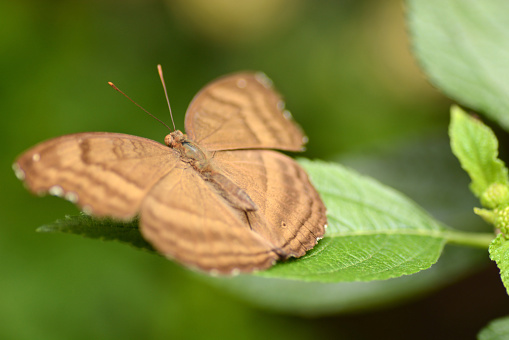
235 195
200 160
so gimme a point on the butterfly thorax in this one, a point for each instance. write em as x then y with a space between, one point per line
199 159
189 151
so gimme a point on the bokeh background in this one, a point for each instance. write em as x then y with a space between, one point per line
347 74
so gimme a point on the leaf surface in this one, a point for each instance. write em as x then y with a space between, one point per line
476 147
463 47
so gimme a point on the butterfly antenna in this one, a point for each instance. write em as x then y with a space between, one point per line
160 70
135 103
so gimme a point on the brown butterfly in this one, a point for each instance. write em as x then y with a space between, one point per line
216 199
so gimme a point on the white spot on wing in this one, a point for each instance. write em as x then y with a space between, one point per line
56 191
235 271
213 272
280 105
71 197
36 157
18 171
87 210
287 114
241 83
263 79
305 139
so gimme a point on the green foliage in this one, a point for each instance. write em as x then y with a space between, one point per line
476 147
463 46
374 233
499 252
308 298
316 298
497 330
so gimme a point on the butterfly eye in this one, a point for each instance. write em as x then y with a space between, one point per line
169 140
174 139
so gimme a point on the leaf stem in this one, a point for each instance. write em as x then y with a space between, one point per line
478 240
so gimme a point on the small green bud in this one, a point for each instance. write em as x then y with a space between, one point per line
502 218
496 194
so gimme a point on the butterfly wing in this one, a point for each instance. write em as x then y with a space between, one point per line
242 111
290 213
184 218
106 174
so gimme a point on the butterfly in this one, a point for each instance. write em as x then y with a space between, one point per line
218 199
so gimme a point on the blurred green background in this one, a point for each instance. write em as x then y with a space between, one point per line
347 75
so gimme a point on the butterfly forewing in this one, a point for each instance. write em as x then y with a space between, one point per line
242 111
106 174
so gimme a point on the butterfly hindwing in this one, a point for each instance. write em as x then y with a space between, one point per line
291 214
183 217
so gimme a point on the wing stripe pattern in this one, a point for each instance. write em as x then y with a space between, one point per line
291 214
226 116
106 174
208 233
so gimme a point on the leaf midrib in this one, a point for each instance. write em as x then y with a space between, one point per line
416 232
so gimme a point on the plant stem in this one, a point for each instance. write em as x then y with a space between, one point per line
478 240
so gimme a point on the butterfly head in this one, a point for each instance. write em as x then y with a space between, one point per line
175 138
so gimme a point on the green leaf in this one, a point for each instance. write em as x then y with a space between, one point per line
299 297
463 47
374 232
104 229
476 147
422 167
496 330
499 252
